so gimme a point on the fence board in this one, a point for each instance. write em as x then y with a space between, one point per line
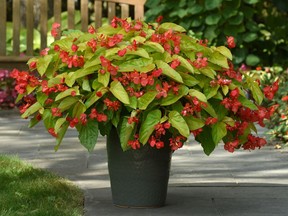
98 13
124 11
43 23
71 11
16 27
111 11
84 15
3 28
29 26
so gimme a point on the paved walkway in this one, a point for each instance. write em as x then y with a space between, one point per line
223 184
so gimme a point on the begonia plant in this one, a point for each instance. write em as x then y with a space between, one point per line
146 80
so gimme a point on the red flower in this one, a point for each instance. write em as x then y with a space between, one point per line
231 42
285 98
55 29
52 132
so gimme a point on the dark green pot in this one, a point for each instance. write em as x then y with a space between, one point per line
139 178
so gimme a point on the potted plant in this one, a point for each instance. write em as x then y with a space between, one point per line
148 87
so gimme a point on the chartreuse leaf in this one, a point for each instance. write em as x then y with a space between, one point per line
211 91
156 46
194 123
219 59
208 72
86 85
146 99
224 51
172 97
88 134
199 95
218 131
43 64
139 52
147 127
93 98
167 26
126 133
184 63
67 92
229 121
60 135
247 103
59 123
206 140
86 71
139 64
119 92
67 102
32 109
178 122
168 71
104 78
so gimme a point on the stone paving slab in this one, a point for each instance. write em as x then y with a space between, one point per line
223 184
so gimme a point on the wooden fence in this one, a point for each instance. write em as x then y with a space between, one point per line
17 59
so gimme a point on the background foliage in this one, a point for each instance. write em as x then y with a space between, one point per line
259 26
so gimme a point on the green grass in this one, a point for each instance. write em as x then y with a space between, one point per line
25 190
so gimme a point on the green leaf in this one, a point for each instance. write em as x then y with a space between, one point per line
59 123
117 89
146 99
251 1
194 123
139 52
167 26
168 71
252 60
43 64
225 89
229 121
88 135
126 133
195 9
178 122
209 109
205 138
256 91
86 85
208 72
78 109
188 79
211 91
104 78
32 109
218 132
219 59
147 127
140 64
212 4
247 103
212 19
250 36
93 98
156 46
60 135
66 93
199 95
172 98
224 51
67 103
86 71
184 63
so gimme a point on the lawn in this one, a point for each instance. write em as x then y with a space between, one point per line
25 190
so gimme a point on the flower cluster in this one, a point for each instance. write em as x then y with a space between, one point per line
152 82
7 92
